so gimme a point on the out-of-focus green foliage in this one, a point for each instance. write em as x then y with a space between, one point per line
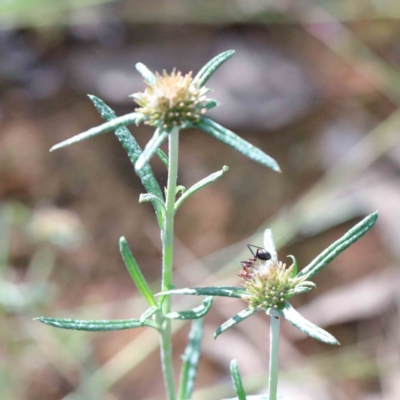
25 13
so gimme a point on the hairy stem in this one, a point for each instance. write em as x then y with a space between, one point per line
273 356
168 242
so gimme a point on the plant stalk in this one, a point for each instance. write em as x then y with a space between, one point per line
166 284
273 356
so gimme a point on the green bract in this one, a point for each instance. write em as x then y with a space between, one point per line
237 381
191 359
269 285
176 100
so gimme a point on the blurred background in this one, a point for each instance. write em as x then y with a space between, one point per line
314 83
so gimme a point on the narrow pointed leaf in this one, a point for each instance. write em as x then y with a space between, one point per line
269 244
151 148
298 290
199 185
95 326
294 270
148 314
308 284
133 150
237 381
180 189
210 103
132 118
135 272
231 139
297 320
148 197
191 359
163 157
340 245
205 73
224 291
244 314
195 313
148 76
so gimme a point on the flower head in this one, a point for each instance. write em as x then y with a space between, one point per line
172 100
269 284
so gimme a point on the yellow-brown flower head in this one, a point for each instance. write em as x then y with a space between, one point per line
269 284
173 100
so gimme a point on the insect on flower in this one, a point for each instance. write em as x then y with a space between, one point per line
267 281
250 265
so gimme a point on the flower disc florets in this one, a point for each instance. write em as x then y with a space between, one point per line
172 101
269 285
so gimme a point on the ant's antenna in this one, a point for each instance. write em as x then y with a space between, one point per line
249 246
260 253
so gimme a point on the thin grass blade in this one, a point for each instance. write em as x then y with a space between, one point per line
340 245
297 320
237 381
244 314
148 76
205 73
155 142
132 118
199 185
95 326
231 139
191 359
135 272
195 313
133 150
224 291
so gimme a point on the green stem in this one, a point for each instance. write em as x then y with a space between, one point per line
273 356
166 284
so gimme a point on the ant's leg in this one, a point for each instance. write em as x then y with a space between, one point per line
249 246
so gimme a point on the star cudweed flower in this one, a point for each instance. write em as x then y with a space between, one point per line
172 101
268 285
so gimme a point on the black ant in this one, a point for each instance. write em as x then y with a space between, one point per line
260 254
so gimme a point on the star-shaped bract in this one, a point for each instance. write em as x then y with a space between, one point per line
176 101
271 286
